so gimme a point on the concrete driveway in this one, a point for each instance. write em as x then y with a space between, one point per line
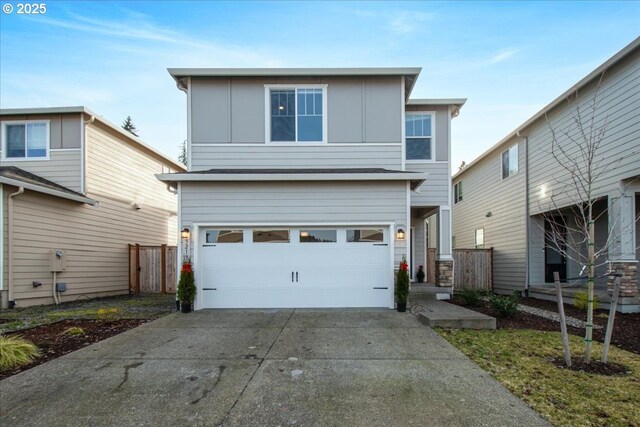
265 368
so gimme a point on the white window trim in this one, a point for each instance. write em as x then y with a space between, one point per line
502 178
455 202
25 159
433 136
267 112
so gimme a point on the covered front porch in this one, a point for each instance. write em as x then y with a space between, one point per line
430 247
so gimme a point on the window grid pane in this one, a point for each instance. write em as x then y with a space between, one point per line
16 141
36 140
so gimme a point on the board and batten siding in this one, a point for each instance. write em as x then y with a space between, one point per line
485 191
122 171
295 202
64 166
94 240
618 98
207 156
359 109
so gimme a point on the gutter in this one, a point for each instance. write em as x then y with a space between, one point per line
20 191
52 192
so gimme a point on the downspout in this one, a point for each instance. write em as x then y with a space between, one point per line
20 191
527 222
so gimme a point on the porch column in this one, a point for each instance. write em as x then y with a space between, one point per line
444 257
622 250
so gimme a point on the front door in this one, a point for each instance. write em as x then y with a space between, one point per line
554 260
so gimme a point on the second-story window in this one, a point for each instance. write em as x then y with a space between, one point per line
419 136
25 140
510 161
297 114
457 192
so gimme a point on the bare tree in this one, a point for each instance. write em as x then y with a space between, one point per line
574 207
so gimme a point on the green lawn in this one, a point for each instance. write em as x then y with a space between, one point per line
520 360
120 307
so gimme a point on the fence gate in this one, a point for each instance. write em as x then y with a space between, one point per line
152 269
473 269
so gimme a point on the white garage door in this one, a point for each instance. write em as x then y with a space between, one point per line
295 267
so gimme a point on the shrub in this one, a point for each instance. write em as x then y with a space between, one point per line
581 301
186 291
16 351
74 331
470 297
402 282
505 306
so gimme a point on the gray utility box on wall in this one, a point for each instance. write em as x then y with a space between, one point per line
58 261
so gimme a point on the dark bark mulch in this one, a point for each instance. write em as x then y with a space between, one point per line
53 343
593 367
626 328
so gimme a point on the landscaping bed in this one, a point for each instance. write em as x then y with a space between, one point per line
626 328
48 327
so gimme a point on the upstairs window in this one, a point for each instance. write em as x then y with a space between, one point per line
419 136
457 192
297 114
25 140
510 162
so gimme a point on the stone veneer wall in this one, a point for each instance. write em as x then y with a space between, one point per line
444 272
628 281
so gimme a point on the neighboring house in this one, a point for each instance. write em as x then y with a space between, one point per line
500 198
306 187
70 181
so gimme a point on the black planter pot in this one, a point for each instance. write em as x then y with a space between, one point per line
185 307
420 279
402 307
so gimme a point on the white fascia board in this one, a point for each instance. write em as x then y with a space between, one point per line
179 177
45 190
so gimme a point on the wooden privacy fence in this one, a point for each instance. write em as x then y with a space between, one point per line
152 269
473 269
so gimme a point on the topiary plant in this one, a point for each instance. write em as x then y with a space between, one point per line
16 351
402 285
186 291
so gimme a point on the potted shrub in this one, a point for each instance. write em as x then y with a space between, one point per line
420 274
186 292
402 285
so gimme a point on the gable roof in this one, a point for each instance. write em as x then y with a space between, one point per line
17 177
84 110
628 49
410 73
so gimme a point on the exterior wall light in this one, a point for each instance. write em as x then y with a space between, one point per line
400 234
185 233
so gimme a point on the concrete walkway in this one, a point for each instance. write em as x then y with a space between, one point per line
439 314
265 368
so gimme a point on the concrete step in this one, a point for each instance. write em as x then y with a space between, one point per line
440 314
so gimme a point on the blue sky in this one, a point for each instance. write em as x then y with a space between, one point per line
508 58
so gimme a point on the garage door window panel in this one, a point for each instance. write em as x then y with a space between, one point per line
271 236
224 236
365 235
318 236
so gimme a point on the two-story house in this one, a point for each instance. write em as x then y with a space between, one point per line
307 187
520 198
75 190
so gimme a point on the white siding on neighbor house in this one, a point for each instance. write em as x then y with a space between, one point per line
296 202
435 190
618 100
205 157
121 171
485 191
63 167
94 239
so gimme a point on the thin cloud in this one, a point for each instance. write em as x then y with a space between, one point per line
502 56
405 22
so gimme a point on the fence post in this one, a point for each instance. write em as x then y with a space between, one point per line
563 324
163 261
612 315
138 269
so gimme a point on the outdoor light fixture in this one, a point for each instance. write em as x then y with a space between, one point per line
185 233
400 234
304 234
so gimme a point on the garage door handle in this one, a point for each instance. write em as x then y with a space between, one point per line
292 276
380 244
296 276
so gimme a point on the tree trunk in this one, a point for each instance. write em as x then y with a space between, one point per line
590 286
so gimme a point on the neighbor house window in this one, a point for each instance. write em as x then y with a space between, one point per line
318 236
371 235
271 236
510 162
224 236
419 136
457 192
297 114
25 140
479 238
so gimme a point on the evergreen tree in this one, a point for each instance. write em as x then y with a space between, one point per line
129 126
182 157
